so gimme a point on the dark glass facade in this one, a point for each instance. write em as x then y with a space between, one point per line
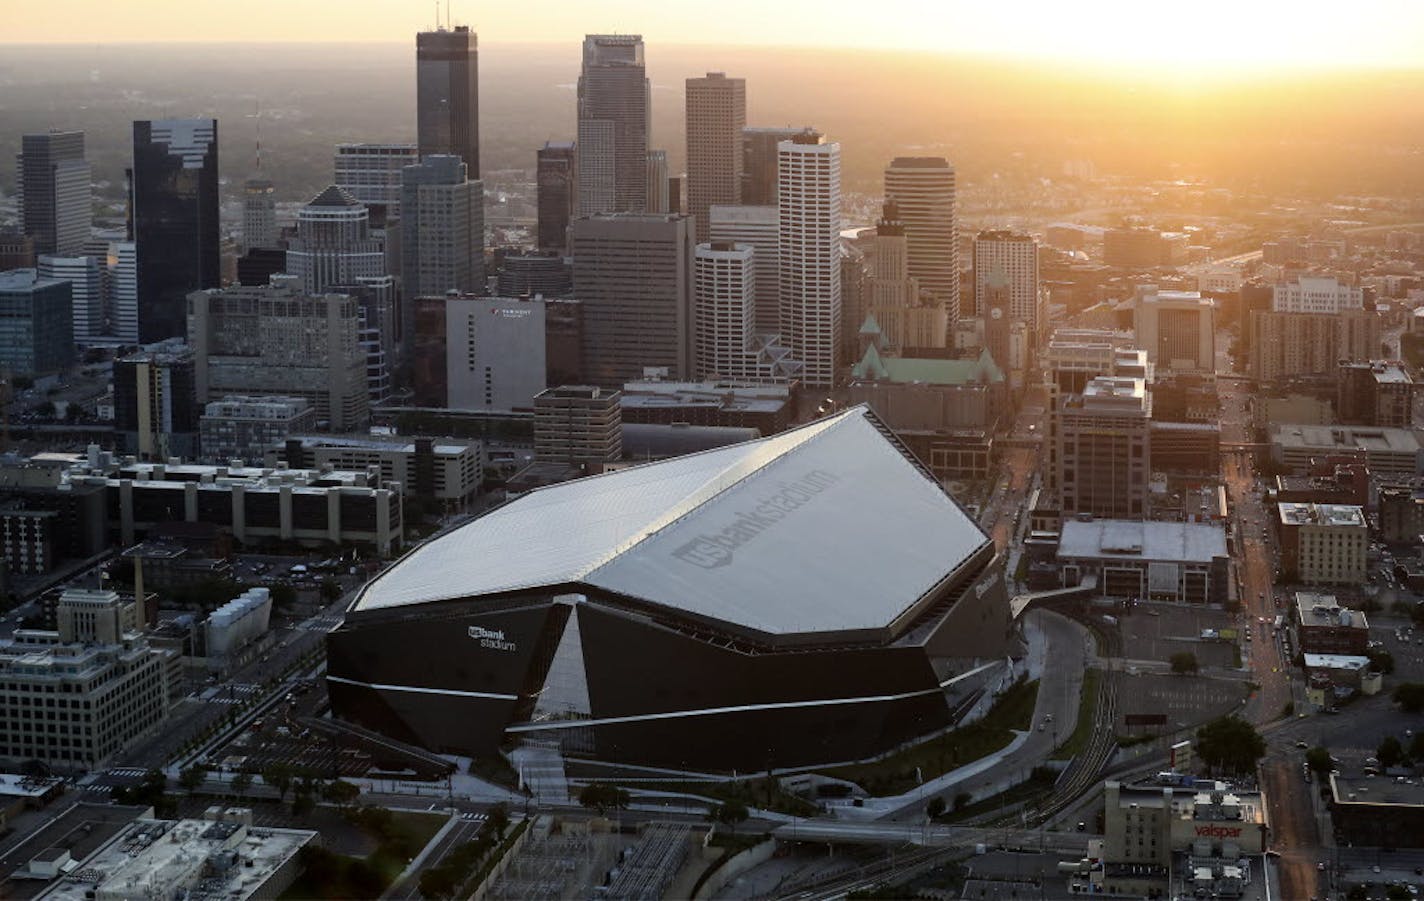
448 95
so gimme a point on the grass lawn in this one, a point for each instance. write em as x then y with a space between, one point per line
897 774
1087 703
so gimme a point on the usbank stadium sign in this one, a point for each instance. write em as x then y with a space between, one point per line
492 638
713 549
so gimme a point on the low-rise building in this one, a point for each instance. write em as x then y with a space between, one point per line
73 697
1401 512
1322 544
238 623
1377 393
1148 823
1370 812
578 424
246 428
1388 452
448 471
219 856
1325 627
769 409
1185 562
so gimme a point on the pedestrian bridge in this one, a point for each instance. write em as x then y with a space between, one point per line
1021 604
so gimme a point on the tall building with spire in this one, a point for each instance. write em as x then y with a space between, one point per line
447 111
716 116
614 113
173 203
923 188
908 316
52 180
809 245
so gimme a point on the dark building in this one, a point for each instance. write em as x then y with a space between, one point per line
538 272
726 610
17 251
563 342
53 180
70 521
759 163
173 205
256 267
767 408
614 106
448 95
1378 393
557 179
156 407
429 346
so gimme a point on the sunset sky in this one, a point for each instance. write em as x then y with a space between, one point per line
1219 34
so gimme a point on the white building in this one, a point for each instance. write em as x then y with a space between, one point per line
86 292
372 174
238 623
495 352
122 264
924 189
1015 255
724 301
758 227
809 195
1316 294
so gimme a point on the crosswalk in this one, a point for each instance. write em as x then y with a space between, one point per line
128 771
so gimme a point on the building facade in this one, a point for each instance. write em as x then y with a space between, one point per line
156 404
1104 449
259 214
556 177
759 228
372 174
1377 393
1290 344
448 471
1316 294
334 244
809 254
1015 256
52 180
1177 329
442 232
174 206
447 95
760 163
724 297
923 188
633 276
614 113
1322 544
495 356
578 424
246 428
716 117
36 323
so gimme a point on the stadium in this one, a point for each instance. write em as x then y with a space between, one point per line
807 598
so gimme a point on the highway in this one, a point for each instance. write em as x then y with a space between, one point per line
930 836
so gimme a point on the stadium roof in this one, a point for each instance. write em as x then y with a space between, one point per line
830 527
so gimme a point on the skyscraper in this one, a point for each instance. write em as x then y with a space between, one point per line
174 208
36 330
442 233
447 73
809 197
758 228
52 179
614 109
334 245
894 297
725 303
923 189
122 291
259 214
372 174
633 275
1015 254
716 115
557 177
759 163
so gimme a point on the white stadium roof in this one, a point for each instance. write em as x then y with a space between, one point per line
824 528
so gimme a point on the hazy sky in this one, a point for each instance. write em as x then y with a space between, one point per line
1199 35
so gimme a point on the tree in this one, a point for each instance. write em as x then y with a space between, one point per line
497 819
302 803
1318 759
1231 744
330 589
241 783
1184 662
190 777
1390 752
731 813
279 776
1409 696
1381 660
601 796
340 792
935 809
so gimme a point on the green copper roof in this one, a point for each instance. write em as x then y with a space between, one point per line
928 371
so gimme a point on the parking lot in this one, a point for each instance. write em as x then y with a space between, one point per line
1185 700
1157 631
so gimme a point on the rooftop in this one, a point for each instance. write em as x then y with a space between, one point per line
928 371
1323 610
1123 539
770 536
729 396
1300 514
1335 437
1393 791
1336 661
24 280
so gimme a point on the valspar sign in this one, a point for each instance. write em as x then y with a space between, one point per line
492 638
713 549
1218 831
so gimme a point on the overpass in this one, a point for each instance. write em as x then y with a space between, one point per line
927 835
1023 603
